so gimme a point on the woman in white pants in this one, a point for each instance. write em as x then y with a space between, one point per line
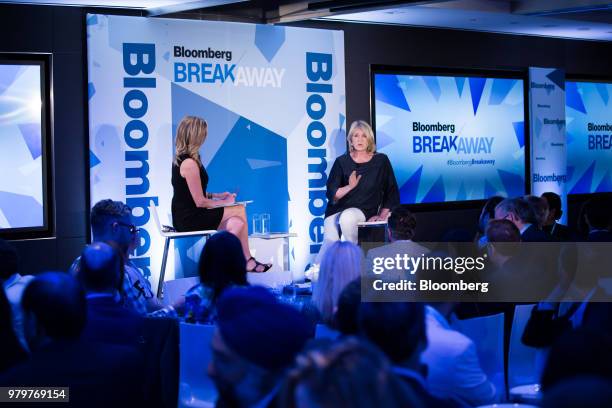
361 186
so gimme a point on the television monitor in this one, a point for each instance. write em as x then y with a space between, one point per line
588 118
451 137
24 129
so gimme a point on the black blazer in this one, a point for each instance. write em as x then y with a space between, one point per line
98 374
534 234
155 338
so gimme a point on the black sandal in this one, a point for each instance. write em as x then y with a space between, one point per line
266 267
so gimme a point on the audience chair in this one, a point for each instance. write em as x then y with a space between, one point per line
196 388
525 363
169 234
487 333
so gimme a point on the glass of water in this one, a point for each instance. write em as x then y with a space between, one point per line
257 224
265 223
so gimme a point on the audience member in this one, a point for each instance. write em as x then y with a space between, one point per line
520 213
558 231
222 265
398 329
13 284
349 373
487 213
340 265
256 340
453 369
598 215
11 351
111 222
156 339
401 229
577 353
539 208
99 374
581 391
346 317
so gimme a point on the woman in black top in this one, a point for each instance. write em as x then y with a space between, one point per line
195 209
361 186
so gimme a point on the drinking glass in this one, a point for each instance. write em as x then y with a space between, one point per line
257 228
265 223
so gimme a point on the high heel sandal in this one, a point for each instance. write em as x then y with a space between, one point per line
266 267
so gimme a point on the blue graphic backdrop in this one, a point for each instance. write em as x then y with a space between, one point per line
21 176
589 168
481 109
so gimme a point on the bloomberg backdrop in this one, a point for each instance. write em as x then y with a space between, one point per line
274 100
452 138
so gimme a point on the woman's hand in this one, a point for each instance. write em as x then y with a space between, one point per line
229 199
383 216
353 180
225 195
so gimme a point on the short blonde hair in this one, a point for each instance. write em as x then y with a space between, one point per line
367 131
190 135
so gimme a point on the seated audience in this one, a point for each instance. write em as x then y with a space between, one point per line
582 391
222 265
340 265
256 340
559 232
401 229
521 214
13 284
11 351
398 329
346 317
487 213
112 222
578 353
98 374
156 339
453 369
349 373
539 208
598 215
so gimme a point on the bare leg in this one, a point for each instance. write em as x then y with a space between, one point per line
234 221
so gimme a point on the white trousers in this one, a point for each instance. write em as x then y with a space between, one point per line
345 223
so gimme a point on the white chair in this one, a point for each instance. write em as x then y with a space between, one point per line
487 333
196 388
525 363
176 288
168 236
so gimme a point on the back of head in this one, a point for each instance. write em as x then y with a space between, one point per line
101 268
346 317
340 265
348 373
554 203
488 212
539 208
517 206
597 212
190 134
501 234
222 262
8 260
398 328
104 213
260 329
402 224
580 352
57 301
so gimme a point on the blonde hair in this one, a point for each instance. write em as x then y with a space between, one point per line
367 131
190 135
340 265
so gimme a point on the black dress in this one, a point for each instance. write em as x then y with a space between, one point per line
186 216
377 187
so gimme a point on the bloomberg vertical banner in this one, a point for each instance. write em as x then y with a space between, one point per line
274 100
548 140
